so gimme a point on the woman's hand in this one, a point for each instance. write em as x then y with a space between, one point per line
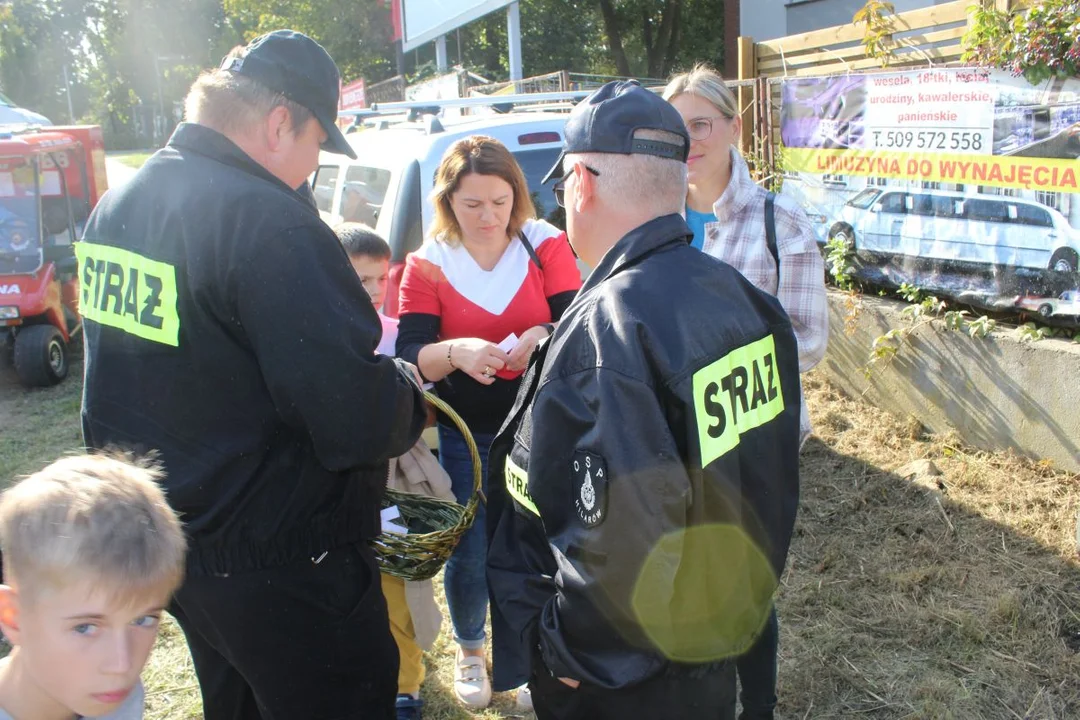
519 356
477 358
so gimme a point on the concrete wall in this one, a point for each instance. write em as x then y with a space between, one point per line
996 392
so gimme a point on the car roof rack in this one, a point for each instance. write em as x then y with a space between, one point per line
427 111
500 103
432 125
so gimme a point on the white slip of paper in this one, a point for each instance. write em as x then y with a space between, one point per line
509 343
392 521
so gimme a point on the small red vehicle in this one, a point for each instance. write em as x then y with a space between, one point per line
50 180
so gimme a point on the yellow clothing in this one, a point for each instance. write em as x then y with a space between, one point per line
418 472
411 670
414 616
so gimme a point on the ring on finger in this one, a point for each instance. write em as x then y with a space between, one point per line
488 371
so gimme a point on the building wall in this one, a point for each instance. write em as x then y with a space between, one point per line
806 15
771 19
763 19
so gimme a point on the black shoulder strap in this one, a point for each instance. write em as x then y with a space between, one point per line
529 249
770 228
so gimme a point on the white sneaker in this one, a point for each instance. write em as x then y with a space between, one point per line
524 698
471 684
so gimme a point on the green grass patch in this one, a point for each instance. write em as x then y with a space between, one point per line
37 425
133 160
900 601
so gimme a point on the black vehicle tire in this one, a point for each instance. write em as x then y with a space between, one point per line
7 349
1046 310
41 356
1065 260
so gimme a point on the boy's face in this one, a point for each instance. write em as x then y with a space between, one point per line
83 650
373 273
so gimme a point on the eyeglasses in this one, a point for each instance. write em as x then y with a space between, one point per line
701 128
559 188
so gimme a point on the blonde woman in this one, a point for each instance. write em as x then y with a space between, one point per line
489 272
730 216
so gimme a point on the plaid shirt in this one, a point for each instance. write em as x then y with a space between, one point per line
738 238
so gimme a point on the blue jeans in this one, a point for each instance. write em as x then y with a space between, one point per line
465 579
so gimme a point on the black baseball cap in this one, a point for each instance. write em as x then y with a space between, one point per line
605 122
296 66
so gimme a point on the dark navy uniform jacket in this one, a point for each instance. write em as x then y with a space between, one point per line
227 331
642 493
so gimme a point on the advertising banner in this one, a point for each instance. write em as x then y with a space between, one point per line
424 20
353 96
960 181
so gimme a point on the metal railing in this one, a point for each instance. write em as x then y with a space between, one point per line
561 81
392 90
549 83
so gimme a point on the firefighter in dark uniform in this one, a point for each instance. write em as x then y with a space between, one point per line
644 487
227 331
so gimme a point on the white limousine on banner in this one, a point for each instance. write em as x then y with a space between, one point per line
958 229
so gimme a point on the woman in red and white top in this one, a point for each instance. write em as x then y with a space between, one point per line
489 274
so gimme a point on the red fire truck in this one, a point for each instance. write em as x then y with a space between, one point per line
50 180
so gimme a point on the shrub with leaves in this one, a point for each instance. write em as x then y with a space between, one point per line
981 327
877 17
910 293
926 310
1030 332
838 263
1039 43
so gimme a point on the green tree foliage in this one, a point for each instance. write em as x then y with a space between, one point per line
651 38
356 33
118 53
555 35
579 36
37 39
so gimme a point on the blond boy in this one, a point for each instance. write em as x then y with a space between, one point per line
92 553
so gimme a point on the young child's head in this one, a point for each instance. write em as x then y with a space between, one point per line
370 257
92 554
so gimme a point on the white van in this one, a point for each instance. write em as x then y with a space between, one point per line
388 185
959 228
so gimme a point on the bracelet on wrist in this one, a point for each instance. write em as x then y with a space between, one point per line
450 360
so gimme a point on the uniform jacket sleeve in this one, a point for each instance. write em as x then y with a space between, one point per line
314 332
589 629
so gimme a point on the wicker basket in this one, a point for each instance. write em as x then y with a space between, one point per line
435 526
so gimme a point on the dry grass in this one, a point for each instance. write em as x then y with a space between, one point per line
894 606
955 597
